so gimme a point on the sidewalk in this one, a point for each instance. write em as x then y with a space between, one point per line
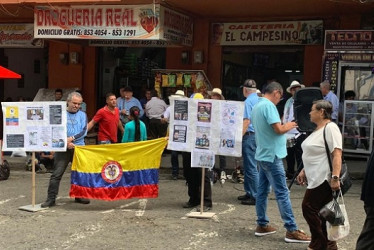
356 166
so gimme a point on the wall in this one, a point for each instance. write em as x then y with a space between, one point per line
63 74
22 61
312 64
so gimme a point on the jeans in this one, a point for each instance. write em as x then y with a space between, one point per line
62 160
272 173
174 163
250 165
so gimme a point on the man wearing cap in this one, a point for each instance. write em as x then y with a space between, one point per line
293 136
154 110
216 94
126 102
174 154
328 95
249 145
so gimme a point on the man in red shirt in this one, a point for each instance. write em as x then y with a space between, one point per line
109 122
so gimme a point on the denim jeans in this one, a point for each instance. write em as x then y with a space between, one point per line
272 173
250 165
62 160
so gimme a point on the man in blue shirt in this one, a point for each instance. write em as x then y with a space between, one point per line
271 148
328 95
249 144
126 102
76 131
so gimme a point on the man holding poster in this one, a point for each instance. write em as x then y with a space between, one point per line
76 131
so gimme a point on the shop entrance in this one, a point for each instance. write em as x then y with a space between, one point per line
128 66
262 64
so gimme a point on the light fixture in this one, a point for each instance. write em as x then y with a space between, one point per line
288 70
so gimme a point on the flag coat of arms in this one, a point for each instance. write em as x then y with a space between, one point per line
117 171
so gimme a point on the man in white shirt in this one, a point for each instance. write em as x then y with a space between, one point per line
154 110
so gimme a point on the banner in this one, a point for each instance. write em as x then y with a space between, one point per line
268 33
117 171
123 22
19 35
206 125
34 126
349 40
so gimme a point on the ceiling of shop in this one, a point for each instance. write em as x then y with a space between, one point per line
233 10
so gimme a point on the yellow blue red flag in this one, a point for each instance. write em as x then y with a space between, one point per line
117 171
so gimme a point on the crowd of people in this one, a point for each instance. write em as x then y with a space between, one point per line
126 119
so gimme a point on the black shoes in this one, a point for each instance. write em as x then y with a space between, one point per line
48 203
250 202
82 201
243 197
190 205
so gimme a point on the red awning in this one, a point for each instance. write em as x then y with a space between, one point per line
8 74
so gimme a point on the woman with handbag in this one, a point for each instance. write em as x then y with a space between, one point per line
316 173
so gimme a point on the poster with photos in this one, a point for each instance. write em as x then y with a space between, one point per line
211 125
34 126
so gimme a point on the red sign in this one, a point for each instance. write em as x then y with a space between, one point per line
347 40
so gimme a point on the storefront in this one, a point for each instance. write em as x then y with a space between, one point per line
264 51
349 67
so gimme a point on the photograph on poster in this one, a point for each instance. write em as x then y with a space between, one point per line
11 116
227 140
35 114
180 133
181 110
202 159
202 137
204 111
57 137
55 114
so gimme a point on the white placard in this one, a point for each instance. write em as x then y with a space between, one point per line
34 126
214 125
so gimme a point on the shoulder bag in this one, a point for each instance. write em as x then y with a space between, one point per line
345 179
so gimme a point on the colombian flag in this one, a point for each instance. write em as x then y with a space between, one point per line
117 171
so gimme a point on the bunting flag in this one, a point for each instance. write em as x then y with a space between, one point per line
117 171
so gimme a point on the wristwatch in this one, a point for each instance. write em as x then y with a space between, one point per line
335 177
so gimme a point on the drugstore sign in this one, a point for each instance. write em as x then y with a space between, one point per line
122 22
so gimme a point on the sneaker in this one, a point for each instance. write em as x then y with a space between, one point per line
297 236
223 175
82 201
262 231
174 177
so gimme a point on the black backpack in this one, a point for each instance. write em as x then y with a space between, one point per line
4 170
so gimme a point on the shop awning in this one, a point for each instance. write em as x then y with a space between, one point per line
8 74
